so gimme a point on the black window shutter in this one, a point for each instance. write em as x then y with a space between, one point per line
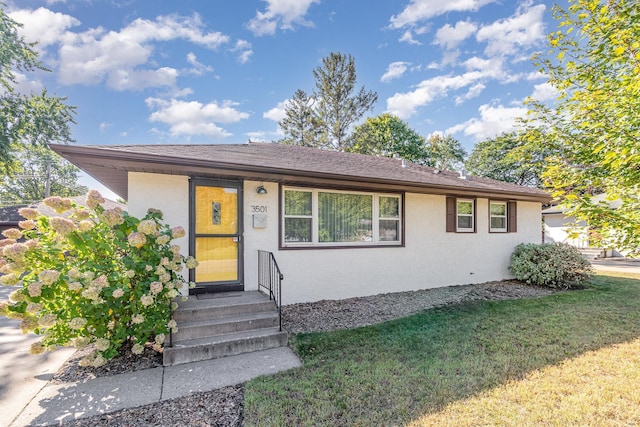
512 213
451 214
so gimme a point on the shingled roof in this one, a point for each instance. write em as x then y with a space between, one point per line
281 163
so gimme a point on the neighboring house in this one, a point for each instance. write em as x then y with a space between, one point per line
9 216
340 225
562 228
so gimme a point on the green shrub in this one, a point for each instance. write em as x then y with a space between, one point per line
553 265
98 276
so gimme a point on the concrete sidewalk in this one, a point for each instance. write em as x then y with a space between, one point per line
618 264
27 397
57 402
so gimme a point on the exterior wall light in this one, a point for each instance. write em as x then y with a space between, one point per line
261 189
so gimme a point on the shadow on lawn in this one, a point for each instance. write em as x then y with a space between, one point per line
392 373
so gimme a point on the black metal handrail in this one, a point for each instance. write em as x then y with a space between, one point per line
270 278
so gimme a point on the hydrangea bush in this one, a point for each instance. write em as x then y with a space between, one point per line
552 265
97 276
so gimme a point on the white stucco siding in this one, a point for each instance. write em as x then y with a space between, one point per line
431 256
170 194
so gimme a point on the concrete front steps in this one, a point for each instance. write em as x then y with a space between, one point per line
224 324
592 253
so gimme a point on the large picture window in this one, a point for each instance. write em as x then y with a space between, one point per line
340 218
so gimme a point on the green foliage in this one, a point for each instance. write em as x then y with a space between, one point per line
553 265
444 152
300 125
387 135
34 119
36 166
508 158
325 119
594 63
99 276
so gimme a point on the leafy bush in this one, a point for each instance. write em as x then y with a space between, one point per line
98 276
553 265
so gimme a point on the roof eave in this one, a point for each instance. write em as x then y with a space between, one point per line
110 167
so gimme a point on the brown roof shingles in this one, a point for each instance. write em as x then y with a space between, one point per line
290 161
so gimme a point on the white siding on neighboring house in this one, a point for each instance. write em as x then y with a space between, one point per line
557 227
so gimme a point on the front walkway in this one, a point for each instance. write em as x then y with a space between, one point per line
617 264
68 401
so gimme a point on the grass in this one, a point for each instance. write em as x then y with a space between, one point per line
521 362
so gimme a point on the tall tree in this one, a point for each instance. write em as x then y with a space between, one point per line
336 107
508 158
594 63
300 124
387 135
445 152
41 173
25 119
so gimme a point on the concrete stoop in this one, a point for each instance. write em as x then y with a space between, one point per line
592 253
211 326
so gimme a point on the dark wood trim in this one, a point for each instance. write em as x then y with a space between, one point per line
512 216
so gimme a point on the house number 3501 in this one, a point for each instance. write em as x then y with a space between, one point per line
258 209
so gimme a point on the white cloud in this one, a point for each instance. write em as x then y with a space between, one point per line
97 55
121 58
277 113
450 37
509 36
473 92
404 105
493 120
244 49
104 126
544 92
43 25
137 80
420 10
198 68
194 118
280 14
25 85
395 70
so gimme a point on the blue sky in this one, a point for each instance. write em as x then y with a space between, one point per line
159 72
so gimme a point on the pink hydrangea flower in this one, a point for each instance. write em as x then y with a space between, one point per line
63 226
27 224
178 232
94 198
147 227
29 213
112 217
57 203
12 233
47 277
137 239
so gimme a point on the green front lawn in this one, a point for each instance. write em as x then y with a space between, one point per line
437 366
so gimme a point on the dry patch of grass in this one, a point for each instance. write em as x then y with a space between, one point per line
599 388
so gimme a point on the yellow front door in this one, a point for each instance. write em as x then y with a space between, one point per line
216 241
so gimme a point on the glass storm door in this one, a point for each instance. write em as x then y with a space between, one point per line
216 239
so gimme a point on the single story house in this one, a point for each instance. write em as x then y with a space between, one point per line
339 224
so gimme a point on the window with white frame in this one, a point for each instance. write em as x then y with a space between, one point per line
465 215
498 217
317 217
